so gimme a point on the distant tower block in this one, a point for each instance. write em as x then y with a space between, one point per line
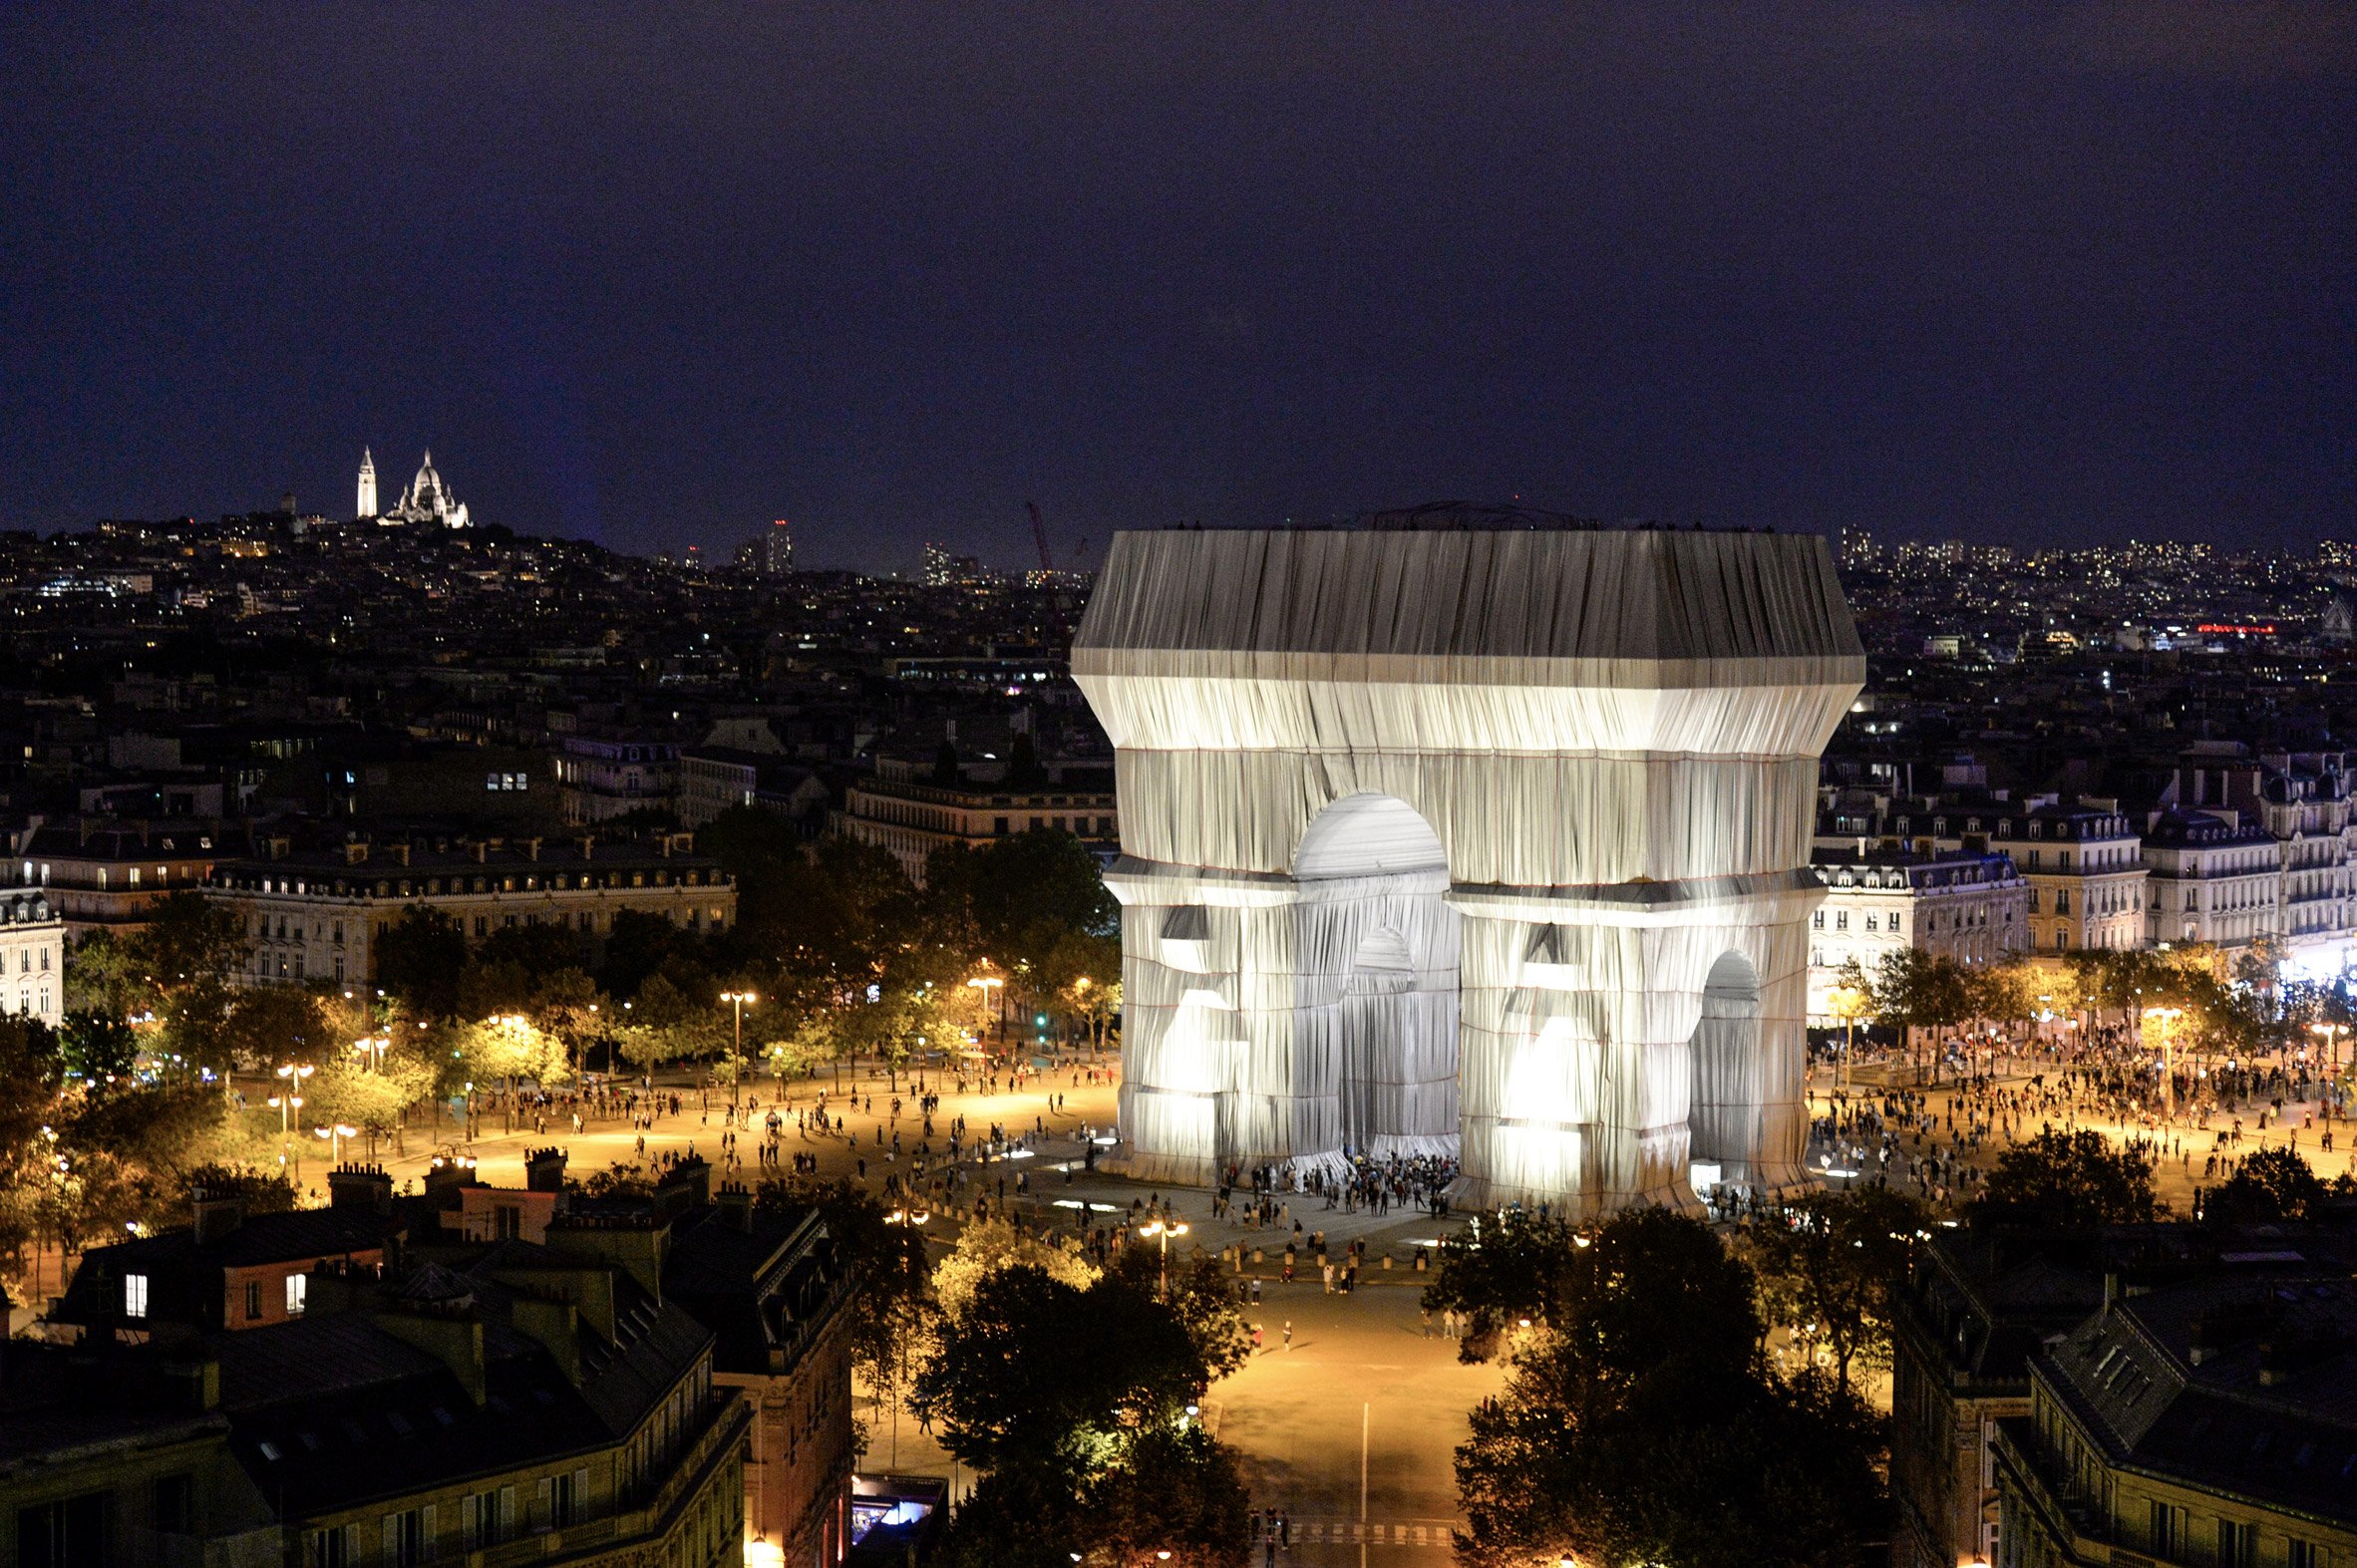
367 506
1485 842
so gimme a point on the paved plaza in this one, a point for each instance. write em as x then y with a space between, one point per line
1351 1430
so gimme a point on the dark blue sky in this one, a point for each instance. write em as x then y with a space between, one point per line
657 273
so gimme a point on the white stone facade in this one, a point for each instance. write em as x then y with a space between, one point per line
32 958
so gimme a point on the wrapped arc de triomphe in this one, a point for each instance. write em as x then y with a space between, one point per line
1492 843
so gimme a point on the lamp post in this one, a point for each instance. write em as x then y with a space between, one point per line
989 985
737 1053
1163 1230
335 1136
2331 1054
1848 1003
286 1102
376 1051
2166 1016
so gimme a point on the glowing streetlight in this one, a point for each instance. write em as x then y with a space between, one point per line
375 1047
335 1136
1849 1004
2329 1032
2166 1016
991 986
286 1102
741 1000
1164 1230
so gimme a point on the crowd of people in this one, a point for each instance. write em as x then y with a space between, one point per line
1938 1142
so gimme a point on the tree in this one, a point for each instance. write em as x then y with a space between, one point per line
1639 1423
188 940
419 959
1204 1297
640 946
991 1246
2069 1180
567 1006
509 1048
97 1047
499 986
1025 771
268 1025
1501 1272
104 977
32 1066
1038 1374
1829 1265
2270 1184
373 1096
1018 900
1175 1492
540 951
1917 989
184 956
263 1191
685 1023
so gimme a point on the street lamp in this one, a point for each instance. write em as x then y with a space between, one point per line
987 985
1165 1231
1849 1004
286 1102
2329 1031
376 1050
740 999
335 1136
2166 1016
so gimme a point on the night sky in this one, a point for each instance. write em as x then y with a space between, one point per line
655 274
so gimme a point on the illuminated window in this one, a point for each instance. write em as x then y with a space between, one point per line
134 1294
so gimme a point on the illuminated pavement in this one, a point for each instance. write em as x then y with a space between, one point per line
1352 1433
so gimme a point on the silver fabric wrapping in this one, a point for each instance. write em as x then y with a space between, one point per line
1485 840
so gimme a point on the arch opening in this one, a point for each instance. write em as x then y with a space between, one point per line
1727 1072
1377 946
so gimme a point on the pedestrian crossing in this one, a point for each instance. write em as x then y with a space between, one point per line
1372 1532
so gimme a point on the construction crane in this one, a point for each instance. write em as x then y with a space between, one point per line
1039 537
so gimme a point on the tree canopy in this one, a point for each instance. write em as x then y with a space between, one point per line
2068 1180
1640 1423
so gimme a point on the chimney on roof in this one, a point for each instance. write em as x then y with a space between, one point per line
197 1382
452 1334
636 1244
448 1175
736 1208
544 1169
217 1217
689 1185
555 1323
360 1187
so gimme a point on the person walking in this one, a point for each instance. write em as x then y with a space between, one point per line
1289 1334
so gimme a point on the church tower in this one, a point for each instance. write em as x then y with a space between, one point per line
367 487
